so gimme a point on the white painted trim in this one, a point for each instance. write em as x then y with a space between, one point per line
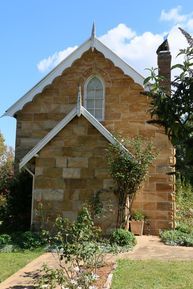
32 198
47 138
32 203
79 102
61 125
57 71
117 61
98 126
85 93
67 62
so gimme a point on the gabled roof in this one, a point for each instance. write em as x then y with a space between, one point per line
91 43
77 111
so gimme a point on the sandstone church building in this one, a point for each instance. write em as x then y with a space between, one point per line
65 123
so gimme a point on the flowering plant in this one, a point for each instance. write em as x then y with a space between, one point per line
78 254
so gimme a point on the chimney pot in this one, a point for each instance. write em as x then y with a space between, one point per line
164 65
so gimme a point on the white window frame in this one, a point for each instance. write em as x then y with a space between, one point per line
85 94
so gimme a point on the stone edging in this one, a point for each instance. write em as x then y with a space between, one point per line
108 282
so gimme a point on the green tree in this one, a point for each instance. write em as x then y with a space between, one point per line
6 169
128 169
16 214
2 145
174 110
15 193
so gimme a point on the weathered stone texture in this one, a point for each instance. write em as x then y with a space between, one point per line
73 179
77 150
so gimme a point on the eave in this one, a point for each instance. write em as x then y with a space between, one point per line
91 43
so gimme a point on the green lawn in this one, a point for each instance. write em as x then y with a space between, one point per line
153 275
12 262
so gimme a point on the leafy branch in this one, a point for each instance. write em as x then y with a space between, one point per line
128 168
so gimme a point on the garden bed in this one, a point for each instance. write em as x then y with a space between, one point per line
103 273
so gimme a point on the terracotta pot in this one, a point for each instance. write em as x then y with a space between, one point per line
137 227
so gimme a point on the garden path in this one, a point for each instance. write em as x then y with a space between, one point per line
148 247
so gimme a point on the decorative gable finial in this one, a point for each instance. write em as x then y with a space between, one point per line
79 101
93 36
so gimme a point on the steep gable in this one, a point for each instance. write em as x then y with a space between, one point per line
92 43
78 111
50 106
70 169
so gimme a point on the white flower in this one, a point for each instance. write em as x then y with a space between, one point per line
76 269
79 287
73 282
92 287
95 276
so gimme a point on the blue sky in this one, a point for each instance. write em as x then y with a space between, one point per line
36 35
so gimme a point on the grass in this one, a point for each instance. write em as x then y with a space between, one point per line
12 262
153 275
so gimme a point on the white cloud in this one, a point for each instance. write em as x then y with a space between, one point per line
173 15
138 50
48 63
118 36
189 24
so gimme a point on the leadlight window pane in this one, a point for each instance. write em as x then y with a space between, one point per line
91 111
95 98
98 104
98 113
91 94
90 103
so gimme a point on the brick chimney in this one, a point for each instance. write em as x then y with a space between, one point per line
164 64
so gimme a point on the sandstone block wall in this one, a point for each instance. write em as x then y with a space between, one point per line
67 175
126 113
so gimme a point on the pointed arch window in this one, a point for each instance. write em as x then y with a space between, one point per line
94 97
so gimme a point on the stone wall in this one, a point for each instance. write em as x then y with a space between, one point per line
126 113
122 99
69 171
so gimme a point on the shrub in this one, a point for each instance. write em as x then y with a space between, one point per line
30 240
78 254
177 238
20 240
121 237
184 204
184 228
16 214
8 249
5 239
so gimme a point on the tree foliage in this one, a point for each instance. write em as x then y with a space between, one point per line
128 169
16 213
174 110
6 169
15 193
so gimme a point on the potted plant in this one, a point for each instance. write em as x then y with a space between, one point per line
137 223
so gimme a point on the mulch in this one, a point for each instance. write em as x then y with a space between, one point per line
103 273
